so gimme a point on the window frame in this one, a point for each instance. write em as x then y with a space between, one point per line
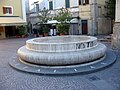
10 8
84 2
50 5
67 3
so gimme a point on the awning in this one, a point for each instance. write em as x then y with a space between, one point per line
74 20
11 21
52 22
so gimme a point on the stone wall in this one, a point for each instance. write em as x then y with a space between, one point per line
116 36
104 26
116 29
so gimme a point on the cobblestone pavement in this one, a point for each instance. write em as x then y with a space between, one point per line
11 79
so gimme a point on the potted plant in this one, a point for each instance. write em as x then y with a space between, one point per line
63 28
45 30
22 31
40 32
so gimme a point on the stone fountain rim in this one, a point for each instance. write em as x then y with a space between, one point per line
91 38
108 61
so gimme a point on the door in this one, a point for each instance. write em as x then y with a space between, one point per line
84 27
10 31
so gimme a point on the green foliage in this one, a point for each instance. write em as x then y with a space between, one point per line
64 18
43 18
63 28
22 30
28 28
111 8
43 28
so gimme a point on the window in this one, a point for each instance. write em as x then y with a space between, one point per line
86 1
7 10
80 2
83 2
37 7
51 5
67 3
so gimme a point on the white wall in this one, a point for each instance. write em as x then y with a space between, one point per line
73 3
27 6
23 10
57 4
43 4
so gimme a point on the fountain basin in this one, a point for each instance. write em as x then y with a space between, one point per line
61 43
62 50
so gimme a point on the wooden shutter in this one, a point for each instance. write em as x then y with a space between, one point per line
79 2
67 3
51 5
4 10
87 1
10 10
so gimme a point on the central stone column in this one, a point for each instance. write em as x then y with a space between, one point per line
116 28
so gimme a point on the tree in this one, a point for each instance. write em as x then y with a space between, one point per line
44 16
111 8
63 16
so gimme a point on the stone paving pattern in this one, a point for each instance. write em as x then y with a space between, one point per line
11 79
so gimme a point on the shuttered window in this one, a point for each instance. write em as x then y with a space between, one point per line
51 5
83 2
4 11
67 3
7 10
86 1
79 2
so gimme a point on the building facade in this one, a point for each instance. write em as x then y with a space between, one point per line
91 15
12 14
116 28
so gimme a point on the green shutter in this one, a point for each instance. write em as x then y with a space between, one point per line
51 5
67 3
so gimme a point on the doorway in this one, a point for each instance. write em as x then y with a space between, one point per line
84 27
10 31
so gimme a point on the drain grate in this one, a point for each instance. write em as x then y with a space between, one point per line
93 78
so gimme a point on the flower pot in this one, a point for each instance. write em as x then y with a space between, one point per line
45 34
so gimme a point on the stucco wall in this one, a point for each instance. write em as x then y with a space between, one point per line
57 4
16 4
116 28
2 32
90 27
104 26
85 12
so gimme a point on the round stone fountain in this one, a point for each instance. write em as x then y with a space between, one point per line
62 55
65 50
